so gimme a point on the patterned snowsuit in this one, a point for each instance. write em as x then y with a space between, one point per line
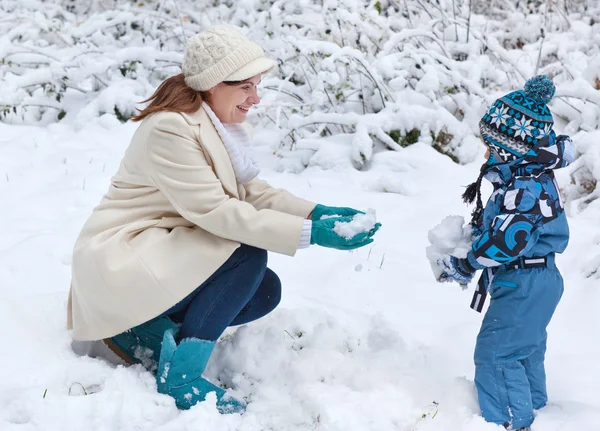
522 228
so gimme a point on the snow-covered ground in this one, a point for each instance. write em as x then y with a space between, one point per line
363 340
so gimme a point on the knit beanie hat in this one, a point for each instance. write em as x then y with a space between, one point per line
515 123
221 53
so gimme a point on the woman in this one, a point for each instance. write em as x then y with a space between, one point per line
177 249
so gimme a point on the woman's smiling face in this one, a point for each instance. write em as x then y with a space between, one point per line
231 101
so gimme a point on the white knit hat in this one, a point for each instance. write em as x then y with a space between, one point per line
221 53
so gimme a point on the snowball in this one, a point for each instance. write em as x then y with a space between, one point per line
452 237
360 223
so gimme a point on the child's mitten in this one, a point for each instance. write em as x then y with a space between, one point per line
455 269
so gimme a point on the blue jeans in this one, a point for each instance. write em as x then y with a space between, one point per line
243 289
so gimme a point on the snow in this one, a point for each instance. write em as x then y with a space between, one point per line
375 71
360 223
452 237
362 340
349 349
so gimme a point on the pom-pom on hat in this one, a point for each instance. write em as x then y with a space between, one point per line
221 53
518 121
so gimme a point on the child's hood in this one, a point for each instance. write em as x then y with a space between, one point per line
553 152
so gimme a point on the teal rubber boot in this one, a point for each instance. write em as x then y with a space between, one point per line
142 344
180 374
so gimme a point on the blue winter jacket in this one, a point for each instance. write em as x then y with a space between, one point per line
525 215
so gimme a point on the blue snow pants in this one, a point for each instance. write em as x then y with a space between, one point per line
511 345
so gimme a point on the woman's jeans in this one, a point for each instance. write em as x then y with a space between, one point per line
243 289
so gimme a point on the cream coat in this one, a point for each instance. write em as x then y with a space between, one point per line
172 216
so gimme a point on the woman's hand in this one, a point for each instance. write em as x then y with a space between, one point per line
322 210
323 234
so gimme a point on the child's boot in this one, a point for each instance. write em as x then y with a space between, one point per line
180 374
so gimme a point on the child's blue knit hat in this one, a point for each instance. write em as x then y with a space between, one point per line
518 121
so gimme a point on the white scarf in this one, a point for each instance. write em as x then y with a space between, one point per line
239 146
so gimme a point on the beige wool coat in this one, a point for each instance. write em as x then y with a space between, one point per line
172 216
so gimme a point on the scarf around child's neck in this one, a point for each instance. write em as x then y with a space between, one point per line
554 153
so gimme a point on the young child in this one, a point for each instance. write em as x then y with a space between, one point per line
518 233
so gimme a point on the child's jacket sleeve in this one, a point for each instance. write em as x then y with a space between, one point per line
515 230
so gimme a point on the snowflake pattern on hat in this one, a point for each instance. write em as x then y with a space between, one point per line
517 121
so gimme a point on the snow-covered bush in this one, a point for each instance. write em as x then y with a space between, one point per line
387 74
583 194
58 65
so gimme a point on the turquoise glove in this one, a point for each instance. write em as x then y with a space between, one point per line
321 210
322 234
